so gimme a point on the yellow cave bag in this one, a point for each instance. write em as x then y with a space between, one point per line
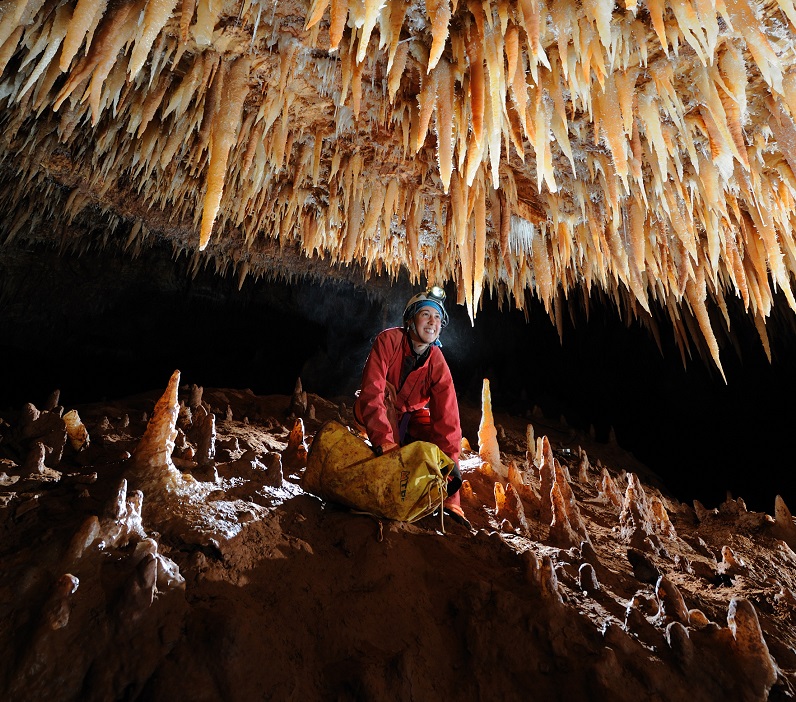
405 484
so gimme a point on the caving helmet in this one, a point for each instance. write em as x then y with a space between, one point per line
433 297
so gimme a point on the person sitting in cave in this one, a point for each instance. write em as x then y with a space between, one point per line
407 391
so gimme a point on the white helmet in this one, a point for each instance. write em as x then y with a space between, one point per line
433 297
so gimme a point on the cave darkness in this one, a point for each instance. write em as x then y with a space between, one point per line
102 325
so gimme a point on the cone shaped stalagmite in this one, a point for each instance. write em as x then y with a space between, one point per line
488 447
152 457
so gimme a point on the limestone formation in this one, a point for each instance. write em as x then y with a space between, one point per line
642 516
549 581
547 478
295 455
680 642
195 396
521 484
205 431
59 605
508 506
759 669
152 456
583 466
784 527
298 402
530 442
488 447
76 430
567 527
588 578
671 606
34 462
609 493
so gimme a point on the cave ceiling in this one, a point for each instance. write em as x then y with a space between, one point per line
542 148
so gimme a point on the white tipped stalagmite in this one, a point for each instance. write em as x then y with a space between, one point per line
488 447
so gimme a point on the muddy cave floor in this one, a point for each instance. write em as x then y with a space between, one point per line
222 579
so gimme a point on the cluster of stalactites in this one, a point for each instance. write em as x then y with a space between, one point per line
537 143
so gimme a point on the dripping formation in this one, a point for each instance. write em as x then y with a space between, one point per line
529 147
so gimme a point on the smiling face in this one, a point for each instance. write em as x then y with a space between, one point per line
427 325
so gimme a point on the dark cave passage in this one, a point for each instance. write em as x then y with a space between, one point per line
104 327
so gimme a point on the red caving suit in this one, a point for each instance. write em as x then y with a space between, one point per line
429 385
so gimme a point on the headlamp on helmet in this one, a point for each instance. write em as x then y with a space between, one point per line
433 297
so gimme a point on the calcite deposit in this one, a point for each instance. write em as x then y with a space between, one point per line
126 576
642 149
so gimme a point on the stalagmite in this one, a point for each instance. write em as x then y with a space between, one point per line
523 488
295 455
506 503
76 430
34 462
642 516
643 568
785 527
671 606
152 456
547 478
587 578
758 667
488 447
530 443
583 466
567 527
205 431
548 580
298 401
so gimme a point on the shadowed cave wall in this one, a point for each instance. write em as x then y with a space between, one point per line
102 325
